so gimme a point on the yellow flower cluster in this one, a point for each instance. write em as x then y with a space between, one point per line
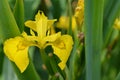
16 49
117 24
79 12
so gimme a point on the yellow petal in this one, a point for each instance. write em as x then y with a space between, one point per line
49 39
52 37
30 39
41 22
50 23
17 52
31 25
62 48
39 15
21 59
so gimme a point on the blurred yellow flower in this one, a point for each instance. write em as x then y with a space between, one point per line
16 49
79 12
117 24
64 23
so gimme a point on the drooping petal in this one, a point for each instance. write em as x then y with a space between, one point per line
21 59
10 47
62 48
17 52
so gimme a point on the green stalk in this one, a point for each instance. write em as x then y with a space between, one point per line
70 17
93 37
19 14
73 55
51 65
1 58
46 61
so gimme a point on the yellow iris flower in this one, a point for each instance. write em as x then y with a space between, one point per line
16 49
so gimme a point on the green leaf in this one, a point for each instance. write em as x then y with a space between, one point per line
111 11
31 7
93 37
19 14
1 57
8 29
56 11
8 72
28 74
118 76
8 26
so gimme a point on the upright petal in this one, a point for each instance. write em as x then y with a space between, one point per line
17 52
41 22
62 48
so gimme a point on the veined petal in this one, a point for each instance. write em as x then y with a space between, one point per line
10 47
62 48
17 52
31 25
